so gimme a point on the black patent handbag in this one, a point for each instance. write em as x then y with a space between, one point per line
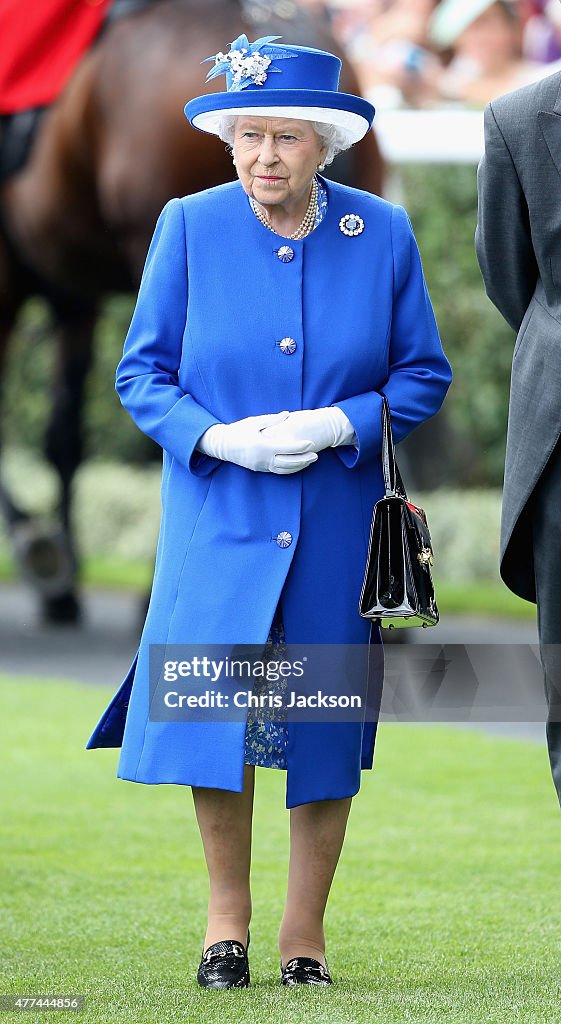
398 587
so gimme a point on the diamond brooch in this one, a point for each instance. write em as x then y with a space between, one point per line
351 224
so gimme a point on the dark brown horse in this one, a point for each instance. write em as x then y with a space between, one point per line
76 221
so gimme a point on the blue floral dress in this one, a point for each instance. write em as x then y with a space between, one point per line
266 740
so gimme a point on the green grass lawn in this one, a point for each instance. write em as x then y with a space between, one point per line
445 906
484 598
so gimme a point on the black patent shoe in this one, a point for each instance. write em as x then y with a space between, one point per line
303 970
224 965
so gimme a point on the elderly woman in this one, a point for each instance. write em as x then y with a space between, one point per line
273 314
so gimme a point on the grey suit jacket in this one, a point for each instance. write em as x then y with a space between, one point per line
518 245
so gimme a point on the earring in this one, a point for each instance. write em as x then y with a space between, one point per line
321 167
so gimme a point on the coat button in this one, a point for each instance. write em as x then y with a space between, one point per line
285 253
288 346
284 539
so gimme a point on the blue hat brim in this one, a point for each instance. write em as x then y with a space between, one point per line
352 113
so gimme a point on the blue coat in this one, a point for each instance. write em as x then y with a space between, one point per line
203 348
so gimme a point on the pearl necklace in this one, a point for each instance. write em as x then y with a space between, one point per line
308 221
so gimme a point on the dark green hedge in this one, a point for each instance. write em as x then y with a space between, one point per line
442 203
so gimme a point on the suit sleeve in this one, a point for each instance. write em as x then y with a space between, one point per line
147 375
419 373
502 239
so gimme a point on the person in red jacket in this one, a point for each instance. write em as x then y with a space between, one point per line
41 46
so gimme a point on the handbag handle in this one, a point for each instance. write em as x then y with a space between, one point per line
392 477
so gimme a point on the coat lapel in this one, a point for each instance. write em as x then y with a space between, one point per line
550 124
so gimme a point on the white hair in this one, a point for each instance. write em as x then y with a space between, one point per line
334 139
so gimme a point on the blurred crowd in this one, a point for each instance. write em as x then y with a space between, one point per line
430 53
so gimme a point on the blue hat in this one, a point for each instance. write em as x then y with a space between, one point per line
280 81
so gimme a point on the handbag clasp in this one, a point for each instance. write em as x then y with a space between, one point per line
425 556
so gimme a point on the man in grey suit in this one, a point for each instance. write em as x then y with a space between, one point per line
518 245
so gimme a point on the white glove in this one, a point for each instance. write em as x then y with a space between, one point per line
327 427
247 443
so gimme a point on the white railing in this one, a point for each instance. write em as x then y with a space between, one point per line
451 135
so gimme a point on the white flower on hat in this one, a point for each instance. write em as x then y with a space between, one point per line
252 66
245 63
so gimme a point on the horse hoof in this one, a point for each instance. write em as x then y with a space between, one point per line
62 609
44 556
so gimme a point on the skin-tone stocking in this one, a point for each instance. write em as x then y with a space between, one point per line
317 831
224 820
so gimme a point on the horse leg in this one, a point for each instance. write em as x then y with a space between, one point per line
63 442
11 513
23 536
